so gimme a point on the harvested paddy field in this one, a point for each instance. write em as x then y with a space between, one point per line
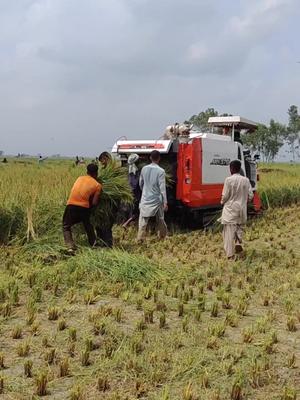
165 320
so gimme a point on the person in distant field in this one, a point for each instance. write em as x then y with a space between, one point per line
154 201
5 160
77 161
41 159
237 192
85 194
81 161
133 178
104 231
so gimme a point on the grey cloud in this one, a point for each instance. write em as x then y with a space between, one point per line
75 75
230 50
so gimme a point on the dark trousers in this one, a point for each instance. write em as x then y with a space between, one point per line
74 215
105 235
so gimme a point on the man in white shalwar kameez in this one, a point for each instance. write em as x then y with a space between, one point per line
154 197
237 192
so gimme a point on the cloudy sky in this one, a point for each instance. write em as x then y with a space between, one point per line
77 74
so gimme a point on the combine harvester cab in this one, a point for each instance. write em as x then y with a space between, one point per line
199 164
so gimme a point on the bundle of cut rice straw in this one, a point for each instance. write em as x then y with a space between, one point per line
115 191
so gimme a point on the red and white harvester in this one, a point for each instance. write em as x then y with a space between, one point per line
199 163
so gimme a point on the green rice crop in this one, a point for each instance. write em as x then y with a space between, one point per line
33 196
279 184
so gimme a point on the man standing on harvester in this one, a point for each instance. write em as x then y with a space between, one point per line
154 197
237 192
84 195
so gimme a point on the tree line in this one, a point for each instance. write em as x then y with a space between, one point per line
267 140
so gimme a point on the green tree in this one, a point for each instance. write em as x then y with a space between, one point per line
201 120
274 140
256 141
293 131
266 140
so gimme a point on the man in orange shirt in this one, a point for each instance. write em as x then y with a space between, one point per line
84 195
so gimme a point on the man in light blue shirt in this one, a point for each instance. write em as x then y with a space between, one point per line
154 201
